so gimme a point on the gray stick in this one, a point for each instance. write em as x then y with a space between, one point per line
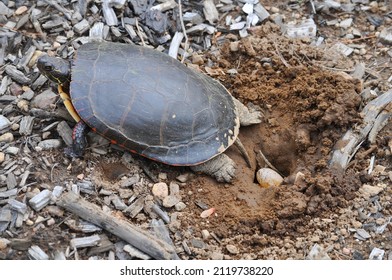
142 240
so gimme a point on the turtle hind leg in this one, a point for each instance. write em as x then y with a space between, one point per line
221 167
79 141
248 115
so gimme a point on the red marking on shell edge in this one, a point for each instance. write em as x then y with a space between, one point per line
113 141
94 129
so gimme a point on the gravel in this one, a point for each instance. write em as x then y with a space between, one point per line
34 128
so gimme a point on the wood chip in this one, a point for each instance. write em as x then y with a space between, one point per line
9 193
65 132
104 245
18 206
40 200
354 139
135 207
135 253
135 236
16 75
37 253
83 242
210 12
26 125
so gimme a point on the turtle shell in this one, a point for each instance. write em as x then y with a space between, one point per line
151 104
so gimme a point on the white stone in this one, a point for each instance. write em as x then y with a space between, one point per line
180 206
170 201
232 249
160 190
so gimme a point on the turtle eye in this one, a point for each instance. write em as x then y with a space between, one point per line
48 68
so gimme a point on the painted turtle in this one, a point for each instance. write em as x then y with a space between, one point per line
150 104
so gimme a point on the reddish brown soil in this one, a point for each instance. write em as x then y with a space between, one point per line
306 111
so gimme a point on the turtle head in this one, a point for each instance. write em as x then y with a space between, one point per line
55 69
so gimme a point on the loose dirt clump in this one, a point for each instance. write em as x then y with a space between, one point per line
307 109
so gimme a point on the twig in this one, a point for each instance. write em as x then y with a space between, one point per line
139 33
359 39
269 163
183 30
243 151
281 56
51 171
371 164
332 68
132 234
61 9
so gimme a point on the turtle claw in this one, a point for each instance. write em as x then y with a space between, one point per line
221 167
248 115
72 152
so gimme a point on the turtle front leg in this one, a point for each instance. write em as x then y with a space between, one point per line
248 115
79 141
221 167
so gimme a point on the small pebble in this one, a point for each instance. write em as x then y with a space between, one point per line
160 190
162 176
21 10
183 178
174 188
356 224
180 206
232 249
2 157
51 222
170 201
207 213
216 256
380 221
7 137
16 89
3 243
315 238
346 251
39 220
197 59
49 144
386 36
234 46
205 234
15 126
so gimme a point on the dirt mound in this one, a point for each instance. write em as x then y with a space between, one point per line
306 111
